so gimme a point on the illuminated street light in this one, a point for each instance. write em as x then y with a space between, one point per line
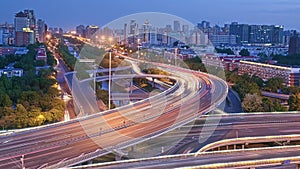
109 79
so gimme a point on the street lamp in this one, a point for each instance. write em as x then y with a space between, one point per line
109 79
176 52
95 74
22 162
138 48
102 40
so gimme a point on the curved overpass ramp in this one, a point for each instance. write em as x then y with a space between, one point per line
69 143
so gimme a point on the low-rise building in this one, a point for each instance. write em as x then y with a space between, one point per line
290 75
223 40
41 54
10 71
228 62
9 50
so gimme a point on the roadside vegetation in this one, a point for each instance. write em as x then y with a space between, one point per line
249 90
31 100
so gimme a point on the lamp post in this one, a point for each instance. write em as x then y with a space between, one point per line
176 51
22 162
109 79
95 74
138 48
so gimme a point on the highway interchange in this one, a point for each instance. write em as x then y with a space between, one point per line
78 140
194 94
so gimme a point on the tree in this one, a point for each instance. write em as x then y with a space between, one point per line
5 100
228 51
232 77
244 52
294 102
274 84
252 103
30 99
271 106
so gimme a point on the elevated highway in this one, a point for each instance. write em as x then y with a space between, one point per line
68 143
235 159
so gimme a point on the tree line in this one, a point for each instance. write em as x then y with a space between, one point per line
31 100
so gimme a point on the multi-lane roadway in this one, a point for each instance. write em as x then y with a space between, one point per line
78 140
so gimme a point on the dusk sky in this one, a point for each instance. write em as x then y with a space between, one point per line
69 13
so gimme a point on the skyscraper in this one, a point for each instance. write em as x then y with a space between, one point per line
1 37
177 26
185 28
25 28
146 32
125 34
91 30
294 45
41 30
241 31
80 30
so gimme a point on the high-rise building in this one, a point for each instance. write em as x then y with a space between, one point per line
199 38
294 45
177 26
286 36
25 28
125 34
21 21
278 34
257 34
185 28
133 32
241 31
60 31
133 27
32 23
203 25
91 30
80 30
146 32
1 37
168 28
7 34
42 30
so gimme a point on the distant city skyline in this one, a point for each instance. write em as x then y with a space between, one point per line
68 14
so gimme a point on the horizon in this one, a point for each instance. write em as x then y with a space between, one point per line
280 12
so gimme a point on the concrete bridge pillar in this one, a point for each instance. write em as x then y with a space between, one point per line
130 87
234 146
153 83
118 157
133 148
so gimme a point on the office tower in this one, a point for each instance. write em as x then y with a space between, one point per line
241 31
80 30
294 45
42 30
91 30
25 28
125 34
185 28
146 32
177 26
